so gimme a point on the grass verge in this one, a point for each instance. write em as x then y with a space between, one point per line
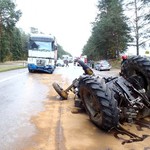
116 63
3 69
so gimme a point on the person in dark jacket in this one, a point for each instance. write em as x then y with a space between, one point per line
124 58
66 63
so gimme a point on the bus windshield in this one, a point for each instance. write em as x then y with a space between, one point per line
41 45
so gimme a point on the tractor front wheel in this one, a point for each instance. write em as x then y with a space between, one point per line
63 94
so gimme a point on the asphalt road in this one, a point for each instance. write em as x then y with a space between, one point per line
21 96
34 118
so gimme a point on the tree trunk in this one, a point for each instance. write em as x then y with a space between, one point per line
136 27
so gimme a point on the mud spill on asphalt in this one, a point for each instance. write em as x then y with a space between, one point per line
132 136
60 129
60 144
142 123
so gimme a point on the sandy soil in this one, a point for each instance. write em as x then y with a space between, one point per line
60 129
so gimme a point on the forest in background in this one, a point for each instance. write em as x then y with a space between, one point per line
112 31
13 40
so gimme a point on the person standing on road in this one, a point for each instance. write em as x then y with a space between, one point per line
124 58
66 63
74 62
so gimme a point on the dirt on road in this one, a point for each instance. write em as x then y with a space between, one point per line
60 129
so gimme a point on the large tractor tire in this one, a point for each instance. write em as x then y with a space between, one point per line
138 68
98 102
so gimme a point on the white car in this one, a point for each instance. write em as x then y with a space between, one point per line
60 63
102 65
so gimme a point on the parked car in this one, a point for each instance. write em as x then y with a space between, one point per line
60 63
96 66
102 65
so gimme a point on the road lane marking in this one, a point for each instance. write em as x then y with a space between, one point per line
14 76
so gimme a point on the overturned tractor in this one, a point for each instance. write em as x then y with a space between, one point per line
111 101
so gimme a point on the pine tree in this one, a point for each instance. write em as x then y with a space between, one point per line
110 33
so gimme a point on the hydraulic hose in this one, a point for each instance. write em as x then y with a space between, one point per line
86 69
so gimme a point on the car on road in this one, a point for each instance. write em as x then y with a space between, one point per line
102 65
60 63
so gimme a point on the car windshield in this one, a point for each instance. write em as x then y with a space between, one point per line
41 45
104 62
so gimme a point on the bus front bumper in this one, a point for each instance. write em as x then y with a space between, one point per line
47 68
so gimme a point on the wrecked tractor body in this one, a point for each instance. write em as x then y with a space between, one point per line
114 100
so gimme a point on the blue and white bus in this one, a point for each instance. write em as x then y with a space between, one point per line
42 53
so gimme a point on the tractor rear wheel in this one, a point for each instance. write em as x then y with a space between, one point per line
98 102
138 67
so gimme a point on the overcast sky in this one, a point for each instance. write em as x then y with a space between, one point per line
68 20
